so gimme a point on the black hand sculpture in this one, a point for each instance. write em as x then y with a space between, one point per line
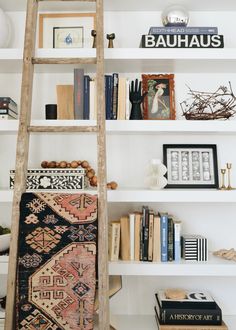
136 98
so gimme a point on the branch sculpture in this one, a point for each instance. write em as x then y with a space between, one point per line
208 106
226 254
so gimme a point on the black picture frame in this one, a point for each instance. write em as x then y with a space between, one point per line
191 166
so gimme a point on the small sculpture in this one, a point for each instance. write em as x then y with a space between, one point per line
229 167
208 106
223 172
110 38
156 177
175 16
136 98
94 35
226 254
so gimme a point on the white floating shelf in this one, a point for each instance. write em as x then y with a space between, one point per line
124 5
145 196
214 267
130 60
141 322
137 126
172 195
170 60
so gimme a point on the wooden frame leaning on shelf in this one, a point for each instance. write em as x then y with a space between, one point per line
160 100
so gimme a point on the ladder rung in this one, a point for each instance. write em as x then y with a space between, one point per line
38 60
69 0
66 129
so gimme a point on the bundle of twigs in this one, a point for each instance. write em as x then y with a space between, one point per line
209 106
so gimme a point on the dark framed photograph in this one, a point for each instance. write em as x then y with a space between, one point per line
68 37
191 165
159 104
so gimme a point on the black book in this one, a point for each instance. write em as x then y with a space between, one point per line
182 41
193 299
188 316
145 222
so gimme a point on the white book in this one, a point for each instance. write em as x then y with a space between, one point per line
177 238
127 101
121 112
156 239
131 228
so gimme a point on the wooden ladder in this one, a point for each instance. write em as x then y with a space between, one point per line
22 151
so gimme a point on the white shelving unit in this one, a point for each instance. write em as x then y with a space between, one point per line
132 143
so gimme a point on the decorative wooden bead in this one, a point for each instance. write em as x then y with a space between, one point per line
90 174
108 186
44 164
63 164
53 164
113 185
94 180
84 164
74 164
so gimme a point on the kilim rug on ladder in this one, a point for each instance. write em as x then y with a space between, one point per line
56 261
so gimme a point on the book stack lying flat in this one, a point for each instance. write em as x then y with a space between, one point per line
8 108
182 37
196 311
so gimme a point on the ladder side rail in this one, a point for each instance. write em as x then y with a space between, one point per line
103 279
21 155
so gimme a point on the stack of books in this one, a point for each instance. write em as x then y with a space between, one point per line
8 108
182 37
78 101
145 236
194 311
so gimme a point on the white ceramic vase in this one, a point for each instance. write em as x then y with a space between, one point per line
5 29
156 178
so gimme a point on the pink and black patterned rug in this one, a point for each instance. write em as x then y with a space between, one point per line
56 261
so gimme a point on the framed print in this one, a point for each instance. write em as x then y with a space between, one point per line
66 30
191 165
160 100
68 37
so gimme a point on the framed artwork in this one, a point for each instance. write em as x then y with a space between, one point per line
191 165
160 100
66 30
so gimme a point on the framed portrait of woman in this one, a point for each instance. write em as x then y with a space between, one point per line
159 104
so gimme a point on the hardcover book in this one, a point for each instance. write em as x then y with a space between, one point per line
183 30
7 102
182 41
192 299
9 112
65 102
223 326
201 316
164 237
114 240
86 97
125 238
78 93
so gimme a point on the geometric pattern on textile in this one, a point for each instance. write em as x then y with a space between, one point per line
82 233
37 321
56 285
33 260
43 239
75 208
